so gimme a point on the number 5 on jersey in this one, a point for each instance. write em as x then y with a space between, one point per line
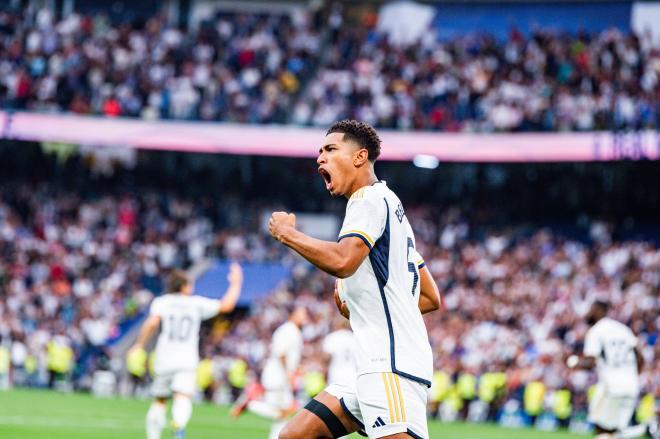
412 267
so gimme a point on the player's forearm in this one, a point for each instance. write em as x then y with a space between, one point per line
427 305
578 362
429 299
325 255
145 334
229 300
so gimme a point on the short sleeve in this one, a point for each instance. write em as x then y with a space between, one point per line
592 344
207 307
419 261
156 308
366 214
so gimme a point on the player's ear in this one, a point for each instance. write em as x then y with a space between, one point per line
360 157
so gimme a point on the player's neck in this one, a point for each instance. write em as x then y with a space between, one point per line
366 179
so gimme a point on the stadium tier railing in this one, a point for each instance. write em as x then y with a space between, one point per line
294 141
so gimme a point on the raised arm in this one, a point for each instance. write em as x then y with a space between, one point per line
340 259
429 299
235 278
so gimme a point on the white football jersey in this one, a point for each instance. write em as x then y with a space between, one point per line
613 345
177 348
288 343
383 294
340 346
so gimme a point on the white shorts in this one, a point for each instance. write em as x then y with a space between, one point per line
277 389
611 412
177 381
384 404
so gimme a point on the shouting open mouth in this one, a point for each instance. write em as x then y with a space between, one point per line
327 178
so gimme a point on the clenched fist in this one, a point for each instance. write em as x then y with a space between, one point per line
280 224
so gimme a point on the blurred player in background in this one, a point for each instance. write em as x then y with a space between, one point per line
179 315
339 346
611 347
278 401
384 285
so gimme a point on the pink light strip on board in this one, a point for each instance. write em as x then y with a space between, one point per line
272 140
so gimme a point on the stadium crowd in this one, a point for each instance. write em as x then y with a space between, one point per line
77 267
238 67
514 303
73 269
544 82
256 68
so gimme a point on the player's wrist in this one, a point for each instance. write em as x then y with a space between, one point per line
286 235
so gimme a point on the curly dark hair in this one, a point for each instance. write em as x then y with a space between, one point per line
361 133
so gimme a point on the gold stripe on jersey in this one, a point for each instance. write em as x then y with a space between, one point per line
420 262
357 194
398 387
361 233
389 395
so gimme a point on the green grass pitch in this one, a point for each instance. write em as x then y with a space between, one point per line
35 414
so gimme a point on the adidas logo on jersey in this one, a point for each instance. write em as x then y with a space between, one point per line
379 422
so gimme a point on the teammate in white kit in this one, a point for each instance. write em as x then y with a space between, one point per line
384 286
278 401
339 345
611 347
179 315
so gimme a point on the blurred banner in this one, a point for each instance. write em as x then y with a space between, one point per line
259 279
291 141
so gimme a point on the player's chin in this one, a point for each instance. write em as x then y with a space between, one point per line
334 192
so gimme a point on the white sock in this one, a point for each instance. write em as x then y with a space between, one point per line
632 432
275 429
155 420
264 409
181 411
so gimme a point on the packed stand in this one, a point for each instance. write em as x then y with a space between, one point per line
277 68
236 67
545 82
